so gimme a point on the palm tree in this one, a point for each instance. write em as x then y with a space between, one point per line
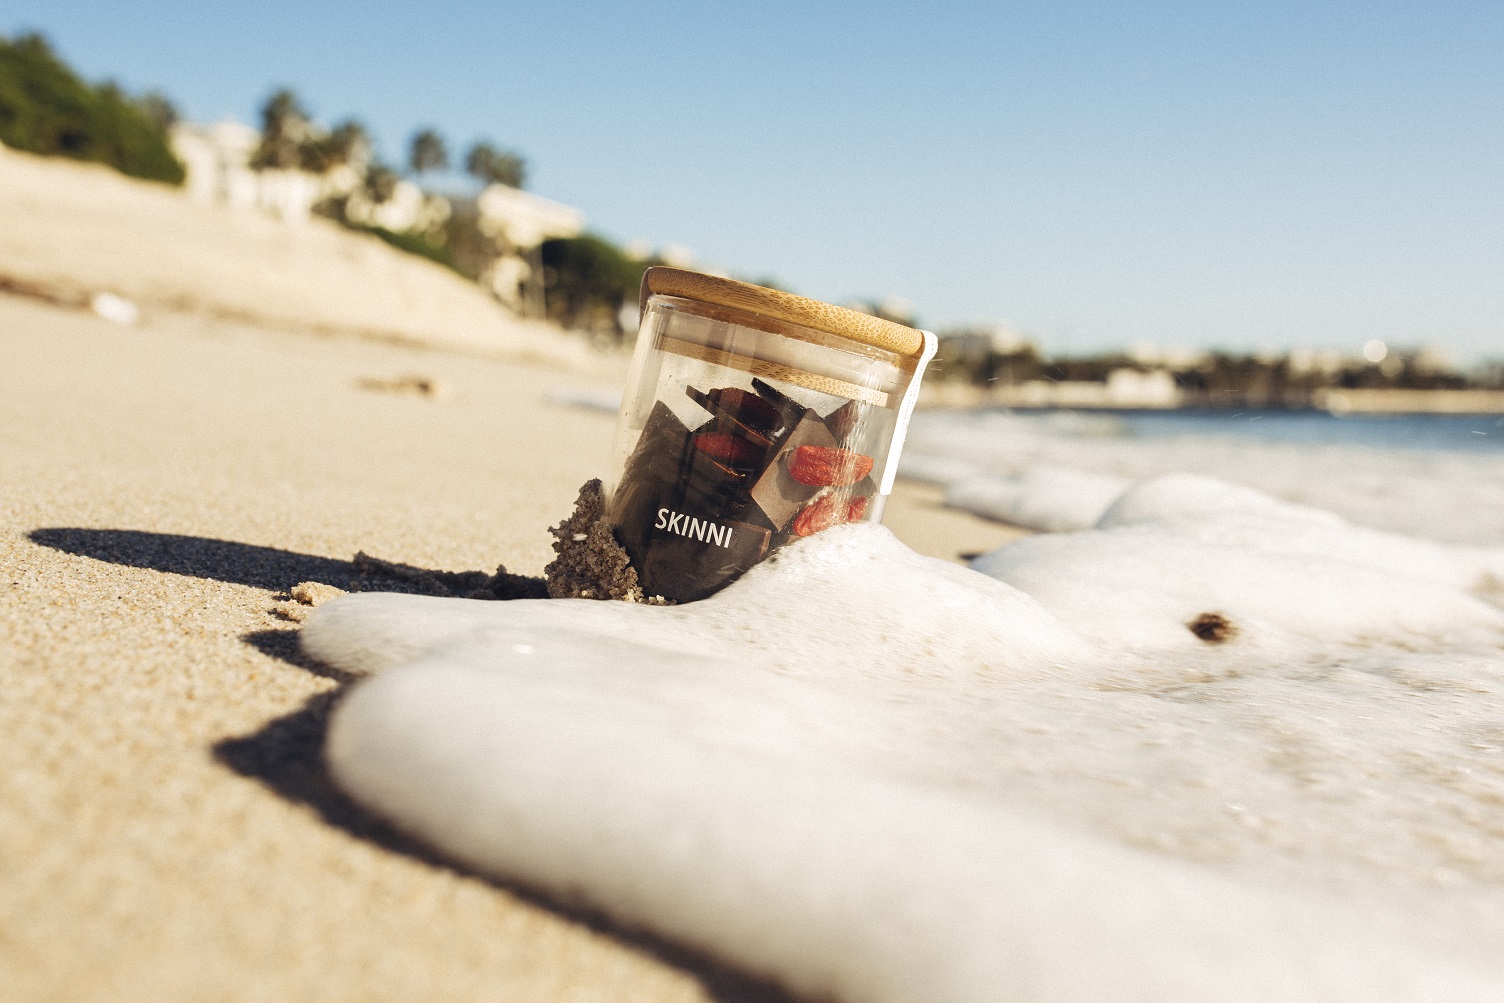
428 152
156 107
380 182
346 144
496 167
285 130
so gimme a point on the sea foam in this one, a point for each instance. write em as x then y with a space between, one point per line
870 775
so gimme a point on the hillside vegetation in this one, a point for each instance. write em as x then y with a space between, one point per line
45 108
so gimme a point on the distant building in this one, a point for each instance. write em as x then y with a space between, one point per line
218 162
1123 388
1173 357
408 208
524 220
1134 388
519 222
217 158
996 353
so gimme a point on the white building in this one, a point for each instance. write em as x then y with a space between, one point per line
1132 388
217 158
524 220
218 162
521 221
408 208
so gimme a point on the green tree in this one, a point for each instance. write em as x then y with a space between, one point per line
496 167
588 279
45 108
381 182
349 143
290 141
286 132
427 152
161 112
346 144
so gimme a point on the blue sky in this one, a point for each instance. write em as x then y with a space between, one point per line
1234 175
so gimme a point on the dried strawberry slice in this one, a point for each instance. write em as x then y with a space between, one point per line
826 466
728 448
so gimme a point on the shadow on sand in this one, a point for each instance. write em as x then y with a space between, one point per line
200 557
286 754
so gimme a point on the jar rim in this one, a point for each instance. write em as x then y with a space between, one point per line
777 305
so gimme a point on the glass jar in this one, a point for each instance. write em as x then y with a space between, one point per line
752 418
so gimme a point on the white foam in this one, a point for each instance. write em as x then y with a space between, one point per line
1044 497
1290 578
857 607
875 776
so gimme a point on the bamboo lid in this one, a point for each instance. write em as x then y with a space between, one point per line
786 307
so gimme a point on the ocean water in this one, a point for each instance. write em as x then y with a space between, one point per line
1460 433
1435 477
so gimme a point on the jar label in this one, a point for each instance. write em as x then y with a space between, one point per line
695 529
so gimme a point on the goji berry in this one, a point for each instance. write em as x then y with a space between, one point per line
826 466
728 448
827 511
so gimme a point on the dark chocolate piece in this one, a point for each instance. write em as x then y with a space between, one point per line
843 421
687 558
697 507
754 425
791 409
652 471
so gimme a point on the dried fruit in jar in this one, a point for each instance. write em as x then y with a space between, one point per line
828 466
732 450
740 412
748 408
777 495
827 511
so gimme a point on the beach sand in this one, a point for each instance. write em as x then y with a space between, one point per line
166 827
69 231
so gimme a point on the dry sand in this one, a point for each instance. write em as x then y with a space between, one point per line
166 828
71 230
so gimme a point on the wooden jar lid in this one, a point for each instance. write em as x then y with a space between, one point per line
781 306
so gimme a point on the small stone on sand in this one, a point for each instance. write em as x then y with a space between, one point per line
410 383
302 598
